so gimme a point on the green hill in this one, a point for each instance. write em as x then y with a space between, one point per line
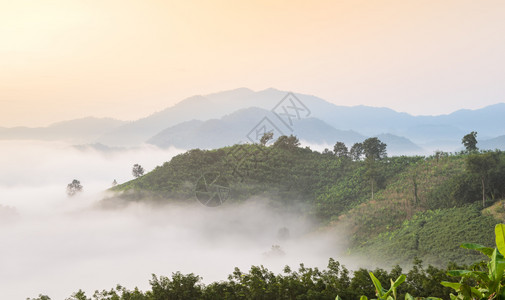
418 202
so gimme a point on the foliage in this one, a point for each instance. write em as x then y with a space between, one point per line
381 293
356 151
40 297
79 295
74 187
137 170
483 282
470 142
332 188
431 235
267 136
374 149
179 287
482 165
287 142
305 283
340 150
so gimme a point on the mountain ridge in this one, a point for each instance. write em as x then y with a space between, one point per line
442 132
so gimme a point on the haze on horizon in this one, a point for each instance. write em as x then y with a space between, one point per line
62 60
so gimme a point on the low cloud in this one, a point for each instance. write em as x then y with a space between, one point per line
55 245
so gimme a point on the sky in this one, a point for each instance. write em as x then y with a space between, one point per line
61 60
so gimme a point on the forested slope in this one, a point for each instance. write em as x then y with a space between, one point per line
417 202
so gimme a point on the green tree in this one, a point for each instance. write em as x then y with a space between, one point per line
137 170
287 142
74 187
40 297
79 295
470 142
327 151
267 136
356 151
340 150
374 149
482 165
179 287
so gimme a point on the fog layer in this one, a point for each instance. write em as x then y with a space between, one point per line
54 244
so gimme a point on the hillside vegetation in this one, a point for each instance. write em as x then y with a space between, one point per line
393 206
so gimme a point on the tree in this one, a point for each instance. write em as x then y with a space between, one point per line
287 142
180 286
439 154
40 297
137 170
374 149
114 183
79 295
74 187
482 165
356 151
470 142
340 150
267 136
371 172
327 151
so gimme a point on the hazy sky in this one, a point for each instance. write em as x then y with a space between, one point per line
126 59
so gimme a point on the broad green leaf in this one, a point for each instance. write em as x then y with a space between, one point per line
392 288
477 275
399 281
409 297
476 292
459 273
466 291
485 250
499 232
377 284
454 285
497 266
363 298
338 298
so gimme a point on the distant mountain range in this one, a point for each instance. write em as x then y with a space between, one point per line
83 130
240 115
236 127
241 126
494 143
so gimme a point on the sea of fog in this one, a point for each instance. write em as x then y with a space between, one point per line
54 244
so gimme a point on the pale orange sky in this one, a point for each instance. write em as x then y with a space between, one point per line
66 59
